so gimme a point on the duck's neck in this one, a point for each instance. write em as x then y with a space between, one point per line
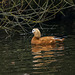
36 38
37 34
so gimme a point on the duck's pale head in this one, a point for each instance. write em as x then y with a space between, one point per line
36 32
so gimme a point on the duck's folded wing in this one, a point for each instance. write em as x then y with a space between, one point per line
47 40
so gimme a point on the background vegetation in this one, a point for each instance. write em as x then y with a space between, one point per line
21 15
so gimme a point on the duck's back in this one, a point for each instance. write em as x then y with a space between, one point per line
47 40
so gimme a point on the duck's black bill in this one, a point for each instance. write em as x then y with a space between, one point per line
30 32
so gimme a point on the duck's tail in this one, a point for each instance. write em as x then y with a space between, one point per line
59 39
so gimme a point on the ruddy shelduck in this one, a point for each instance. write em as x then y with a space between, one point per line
38 40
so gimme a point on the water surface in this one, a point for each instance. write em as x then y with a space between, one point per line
18 57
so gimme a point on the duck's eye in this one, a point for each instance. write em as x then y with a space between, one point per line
33 30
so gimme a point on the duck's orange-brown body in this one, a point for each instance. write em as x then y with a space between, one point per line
38 40
42 40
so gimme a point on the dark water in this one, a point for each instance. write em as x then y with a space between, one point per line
18 57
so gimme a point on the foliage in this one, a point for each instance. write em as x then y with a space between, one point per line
17 15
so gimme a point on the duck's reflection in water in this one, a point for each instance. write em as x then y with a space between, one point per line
45 56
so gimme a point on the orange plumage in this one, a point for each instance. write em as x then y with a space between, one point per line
38 40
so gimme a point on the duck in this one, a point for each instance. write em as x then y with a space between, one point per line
46 40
